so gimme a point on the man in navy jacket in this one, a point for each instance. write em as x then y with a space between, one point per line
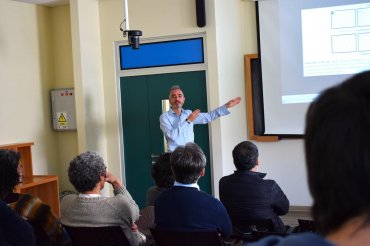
184 207
246 195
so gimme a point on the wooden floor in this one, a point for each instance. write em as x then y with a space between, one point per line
296 212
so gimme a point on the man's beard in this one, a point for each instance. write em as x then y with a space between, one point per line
177 105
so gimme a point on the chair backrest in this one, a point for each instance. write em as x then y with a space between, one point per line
96 236
306 225
186 238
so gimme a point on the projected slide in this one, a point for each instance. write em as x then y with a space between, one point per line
336 40
305 47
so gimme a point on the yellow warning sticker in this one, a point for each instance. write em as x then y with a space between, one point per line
62 120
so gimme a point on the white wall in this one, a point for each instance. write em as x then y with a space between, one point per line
35 56
25 78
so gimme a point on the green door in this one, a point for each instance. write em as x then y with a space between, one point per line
141 98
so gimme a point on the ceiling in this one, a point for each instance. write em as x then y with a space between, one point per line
49 3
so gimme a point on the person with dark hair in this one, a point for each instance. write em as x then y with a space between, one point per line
337 144
87 173
184 207
247 195
177 123
9 171
13 229
163 178
37 213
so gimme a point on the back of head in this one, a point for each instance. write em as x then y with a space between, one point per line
85 170
337 148
161 171
9 176
187 162
245 155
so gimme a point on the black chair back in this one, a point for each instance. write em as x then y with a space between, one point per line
97 236
306 225
186 238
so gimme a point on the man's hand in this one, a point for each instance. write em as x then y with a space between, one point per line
134 227
193 115
113 180
233 102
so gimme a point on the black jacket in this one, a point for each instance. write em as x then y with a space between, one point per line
247 196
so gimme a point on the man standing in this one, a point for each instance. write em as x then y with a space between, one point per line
184 207
177 123
246 195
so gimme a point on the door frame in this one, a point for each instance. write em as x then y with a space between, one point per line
159 70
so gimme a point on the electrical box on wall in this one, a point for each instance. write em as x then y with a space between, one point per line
63 109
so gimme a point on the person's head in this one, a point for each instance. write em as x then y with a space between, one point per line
9 172
176 97
337 149
86 170
245 155
161 171
188 163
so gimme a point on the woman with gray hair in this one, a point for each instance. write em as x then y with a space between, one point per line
87 173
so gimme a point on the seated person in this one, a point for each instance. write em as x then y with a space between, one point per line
28 207
163 178
337 143
246 195
87 173
184 207
13 229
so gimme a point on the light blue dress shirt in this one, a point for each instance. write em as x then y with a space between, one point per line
178 131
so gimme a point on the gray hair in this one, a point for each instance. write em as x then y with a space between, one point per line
85 170
175 87
187 162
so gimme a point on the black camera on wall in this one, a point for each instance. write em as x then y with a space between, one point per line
134 38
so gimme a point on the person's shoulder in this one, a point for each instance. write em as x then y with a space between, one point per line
208 197
302 239
5 210
163 116
227 177
117 200
8 215
67 200
262 177
118 204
